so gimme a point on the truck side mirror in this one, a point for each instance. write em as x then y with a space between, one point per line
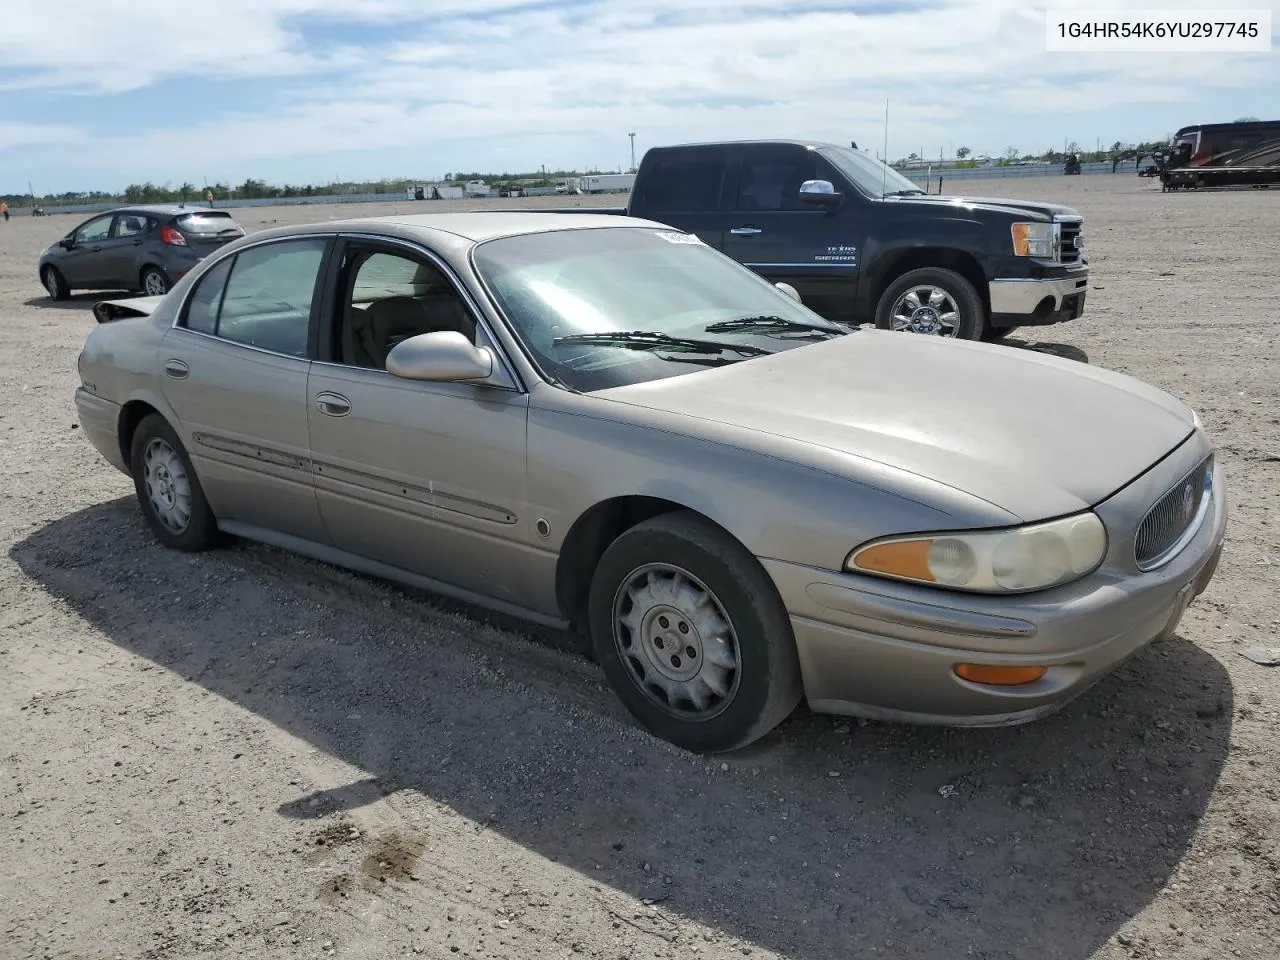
820 193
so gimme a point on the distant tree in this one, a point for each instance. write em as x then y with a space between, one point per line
1073 147
1246 119
1011 153
962 153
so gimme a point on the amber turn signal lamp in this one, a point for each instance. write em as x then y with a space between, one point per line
998 676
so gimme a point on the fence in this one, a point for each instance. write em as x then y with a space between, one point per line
918 176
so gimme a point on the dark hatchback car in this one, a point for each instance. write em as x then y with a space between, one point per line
145 248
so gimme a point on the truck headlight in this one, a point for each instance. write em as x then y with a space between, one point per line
1015 560
1035 240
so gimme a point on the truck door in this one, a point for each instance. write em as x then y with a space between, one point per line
770 229
685 188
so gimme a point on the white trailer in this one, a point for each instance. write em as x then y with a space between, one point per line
607 183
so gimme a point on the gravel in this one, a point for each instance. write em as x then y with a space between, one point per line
248 754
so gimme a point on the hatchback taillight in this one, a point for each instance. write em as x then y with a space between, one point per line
172 237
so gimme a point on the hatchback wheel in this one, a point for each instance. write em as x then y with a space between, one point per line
154 282
168 490
932 301
55 283
692 634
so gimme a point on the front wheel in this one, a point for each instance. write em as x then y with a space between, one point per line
55 283
154 282
934 301
692 635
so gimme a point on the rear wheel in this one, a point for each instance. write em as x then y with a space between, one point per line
154 282
692 635
168 490
932 301
55 283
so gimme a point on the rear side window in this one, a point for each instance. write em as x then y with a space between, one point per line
206 224
202 308
261 297
684 184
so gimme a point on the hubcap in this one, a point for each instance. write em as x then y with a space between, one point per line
168 487
676 641
926 309
153 283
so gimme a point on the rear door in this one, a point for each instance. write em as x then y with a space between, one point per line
814 248
686 188
234 368
120 253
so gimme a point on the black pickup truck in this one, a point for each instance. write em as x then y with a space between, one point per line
861 243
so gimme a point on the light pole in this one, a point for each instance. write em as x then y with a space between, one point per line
633 152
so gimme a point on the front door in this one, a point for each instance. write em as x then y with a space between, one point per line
84 265
771 230
234 369
426 477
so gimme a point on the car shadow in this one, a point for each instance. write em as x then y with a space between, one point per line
1064 350
78 301
829 839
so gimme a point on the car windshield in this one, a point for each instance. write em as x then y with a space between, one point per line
206 224
607 307
871 176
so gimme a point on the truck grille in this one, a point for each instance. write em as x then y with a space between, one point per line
1070 231
1167 525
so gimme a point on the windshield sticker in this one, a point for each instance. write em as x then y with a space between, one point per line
672 237
838 253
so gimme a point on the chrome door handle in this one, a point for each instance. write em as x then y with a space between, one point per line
745 231
333 404
176 370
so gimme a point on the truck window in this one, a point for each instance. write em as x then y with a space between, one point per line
684 184
772 181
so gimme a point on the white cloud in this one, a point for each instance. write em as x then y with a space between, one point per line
484 75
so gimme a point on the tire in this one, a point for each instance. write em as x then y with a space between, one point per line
971 314
154 282
159 463
55 283
740 617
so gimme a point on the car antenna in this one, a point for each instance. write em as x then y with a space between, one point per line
884 174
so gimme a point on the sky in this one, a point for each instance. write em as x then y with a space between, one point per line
98 94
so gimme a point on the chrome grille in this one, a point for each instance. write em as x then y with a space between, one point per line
1163 530
1069 231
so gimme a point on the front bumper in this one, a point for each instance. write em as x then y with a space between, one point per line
886 650
100 421
1035 302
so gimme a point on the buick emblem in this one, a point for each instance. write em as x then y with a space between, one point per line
1188 501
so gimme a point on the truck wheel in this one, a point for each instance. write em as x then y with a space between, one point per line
933 301
692 635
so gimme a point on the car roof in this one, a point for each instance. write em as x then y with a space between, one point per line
811 144
479 226
164 209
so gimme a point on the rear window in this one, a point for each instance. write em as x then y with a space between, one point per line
206 224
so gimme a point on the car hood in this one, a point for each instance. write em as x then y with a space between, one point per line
1037 436
1021 208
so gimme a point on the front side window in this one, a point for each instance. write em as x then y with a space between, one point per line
388 297
772 181
261 297
94 230
611 306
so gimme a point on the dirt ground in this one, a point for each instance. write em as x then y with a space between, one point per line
246 754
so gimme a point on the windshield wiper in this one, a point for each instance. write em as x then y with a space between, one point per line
904 193
652 340
768 322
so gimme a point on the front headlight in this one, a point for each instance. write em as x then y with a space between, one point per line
1034 240
1016 560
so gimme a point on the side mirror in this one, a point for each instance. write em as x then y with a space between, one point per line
67 243
444 356
790 291
820 192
